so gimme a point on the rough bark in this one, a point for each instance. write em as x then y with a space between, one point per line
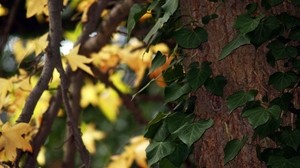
245 69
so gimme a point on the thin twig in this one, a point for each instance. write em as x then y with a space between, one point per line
55 7
126 98
116 16
9 24
56 100
44 129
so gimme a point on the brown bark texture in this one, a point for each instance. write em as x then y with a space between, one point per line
246 68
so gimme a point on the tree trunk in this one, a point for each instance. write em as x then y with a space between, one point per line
245 69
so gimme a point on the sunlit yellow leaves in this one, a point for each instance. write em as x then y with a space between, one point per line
73 35
116 79
135 151
98 95
109 103
90 135
107 58
83 7
132 55
3 11
12 138
5 87
78 61
16 92
22 50
35 7
40 43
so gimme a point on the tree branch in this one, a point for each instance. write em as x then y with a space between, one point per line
56 101
116 16
44 129
9 24
128 103
55 8
40 87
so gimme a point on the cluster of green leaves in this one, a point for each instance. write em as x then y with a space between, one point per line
281 32
174 132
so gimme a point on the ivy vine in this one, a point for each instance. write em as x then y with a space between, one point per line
174 132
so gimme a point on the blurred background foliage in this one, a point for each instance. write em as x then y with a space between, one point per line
109 129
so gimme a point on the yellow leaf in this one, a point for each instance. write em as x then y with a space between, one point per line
134 151
5 86
35 7
116 78
3 11
41 43
109 103
89 95
79 61
20 51
90 135
12 139
65 2
83 7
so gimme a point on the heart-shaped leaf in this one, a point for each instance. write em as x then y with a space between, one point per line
240 98
233 148
190 38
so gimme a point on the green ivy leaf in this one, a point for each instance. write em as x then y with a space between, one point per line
245 23
159 117
155 124
152 129
234 44
295 34
158 150
268 128
216 85
274 2
161 133
274 111
177 119
173 73
136 12
191 132
175 91
282 162
165 163
296 64
251 8
196 76
281 80
180 154
283 101
268 28
288 20
169 8
240 98
158 61
188 38
290 138
277 49
233 148
256 116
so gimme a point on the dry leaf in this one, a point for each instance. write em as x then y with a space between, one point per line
90 135
135 151
78 61
35 7
40 44
12 138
